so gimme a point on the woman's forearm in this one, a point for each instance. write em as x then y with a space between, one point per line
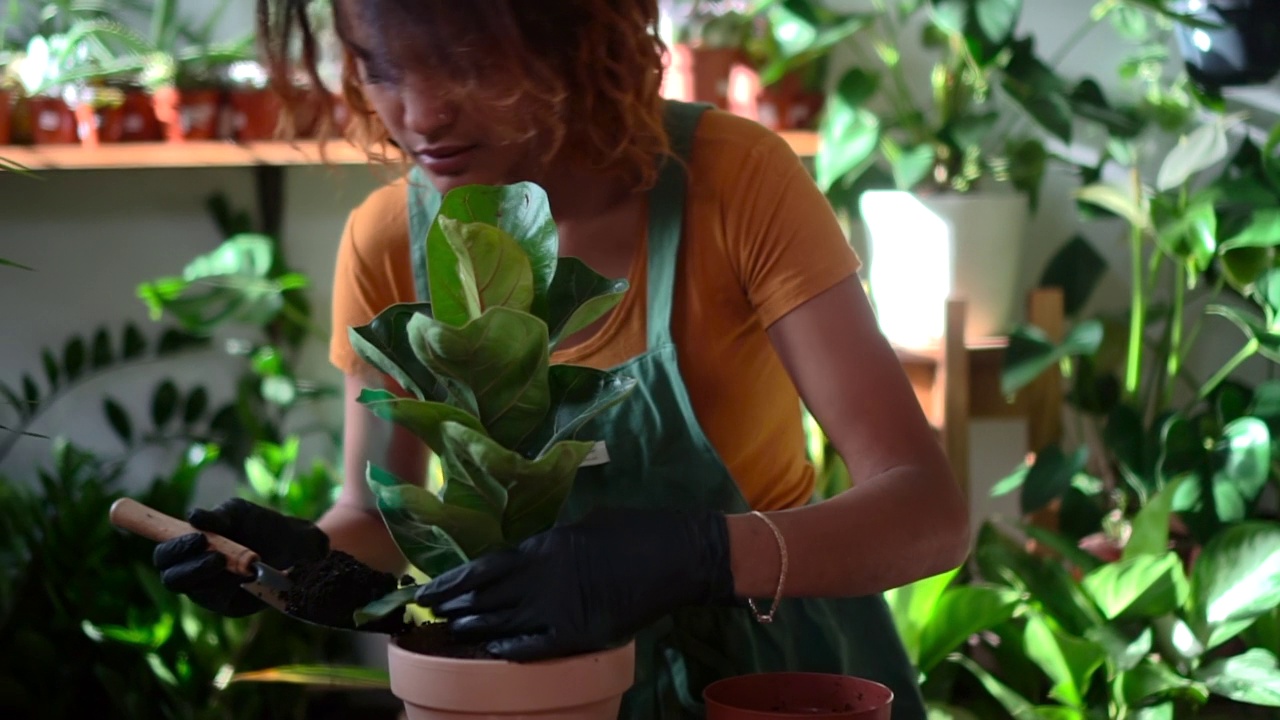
360 532
883 533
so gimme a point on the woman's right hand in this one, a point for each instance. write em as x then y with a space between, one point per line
188 566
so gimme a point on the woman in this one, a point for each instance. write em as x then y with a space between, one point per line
744 303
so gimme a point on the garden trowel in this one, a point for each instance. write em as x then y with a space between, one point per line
268 584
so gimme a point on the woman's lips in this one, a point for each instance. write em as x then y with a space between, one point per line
446 159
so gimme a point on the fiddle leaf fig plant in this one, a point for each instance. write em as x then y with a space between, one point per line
481 390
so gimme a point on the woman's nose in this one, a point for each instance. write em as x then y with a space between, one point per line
426 113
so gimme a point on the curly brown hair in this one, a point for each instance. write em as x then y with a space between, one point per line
586 73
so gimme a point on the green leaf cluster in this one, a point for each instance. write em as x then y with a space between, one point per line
480 388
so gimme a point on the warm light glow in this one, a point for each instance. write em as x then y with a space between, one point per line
910 267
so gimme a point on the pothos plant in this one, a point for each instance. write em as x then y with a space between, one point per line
482 392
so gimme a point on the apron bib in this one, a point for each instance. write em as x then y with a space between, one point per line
659 456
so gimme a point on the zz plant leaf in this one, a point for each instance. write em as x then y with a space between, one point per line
511 427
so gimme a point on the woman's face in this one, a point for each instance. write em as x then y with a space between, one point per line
454 143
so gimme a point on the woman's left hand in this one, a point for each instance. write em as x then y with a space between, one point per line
582 587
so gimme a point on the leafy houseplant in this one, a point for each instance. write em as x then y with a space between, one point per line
486 398
1155 588
482 392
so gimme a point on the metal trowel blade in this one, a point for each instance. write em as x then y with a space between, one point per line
270 586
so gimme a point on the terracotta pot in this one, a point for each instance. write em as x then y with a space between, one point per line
6 113
255 115
788 105
793 695
189 114
100 116
585 687
53 122
700 74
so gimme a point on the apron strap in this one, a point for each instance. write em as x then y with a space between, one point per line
424 205
666 218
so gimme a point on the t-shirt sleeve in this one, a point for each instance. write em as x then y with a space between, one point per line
788 245
371 273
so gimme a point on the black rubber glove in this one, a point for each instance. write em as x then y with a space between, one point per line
583 587
187 566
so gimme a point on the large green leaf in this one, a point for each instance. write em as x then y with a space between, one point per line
384 344
1031 352
1125 644
434 536
578 395
385 605
1016 705
522 211
496 272
963 611
1068 661
1153 682
536 489
912 608
1250 677
997 18
1235 580
422 418
1077 269
1246 444
1050 476
231 284
494 366
1263 231
1002 559
850 131
1142 586
1150 532
1203 148
1038 89
578 297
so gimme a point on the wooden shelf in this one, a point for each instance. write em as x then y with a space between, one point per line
209 154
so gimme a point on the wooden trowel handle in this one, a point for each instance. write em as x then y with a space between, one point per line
131 515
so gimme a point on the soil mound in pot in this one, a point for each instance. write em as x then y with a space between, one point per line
330 591
436 640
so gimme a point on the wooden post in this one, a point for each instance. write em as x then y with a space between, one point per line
952 393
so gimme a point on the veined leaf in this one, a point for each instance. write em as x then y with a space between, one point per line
578 296
1142 586
1251 677
502 273
578 395
422 418
1235 580
495 367
384 344
536 489
523 212
433 535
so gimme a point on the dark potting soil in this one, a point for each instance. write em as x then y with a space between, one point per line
331 590
435 639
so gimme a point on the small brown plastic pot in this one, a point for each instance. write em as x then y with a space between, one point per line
6 115
769 696
53 122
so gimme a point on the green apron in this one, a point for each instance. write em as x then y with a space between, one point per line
659 456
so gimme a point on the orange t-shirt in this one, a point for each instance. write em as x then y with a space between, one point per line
759 240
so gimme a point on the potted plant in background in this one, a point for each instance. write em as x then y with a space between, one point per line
505 422
950 177
1156 591
790 49
709 37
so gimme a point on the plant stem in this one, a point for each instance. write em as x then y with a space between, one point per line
1137 312
1174 360
1231 365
